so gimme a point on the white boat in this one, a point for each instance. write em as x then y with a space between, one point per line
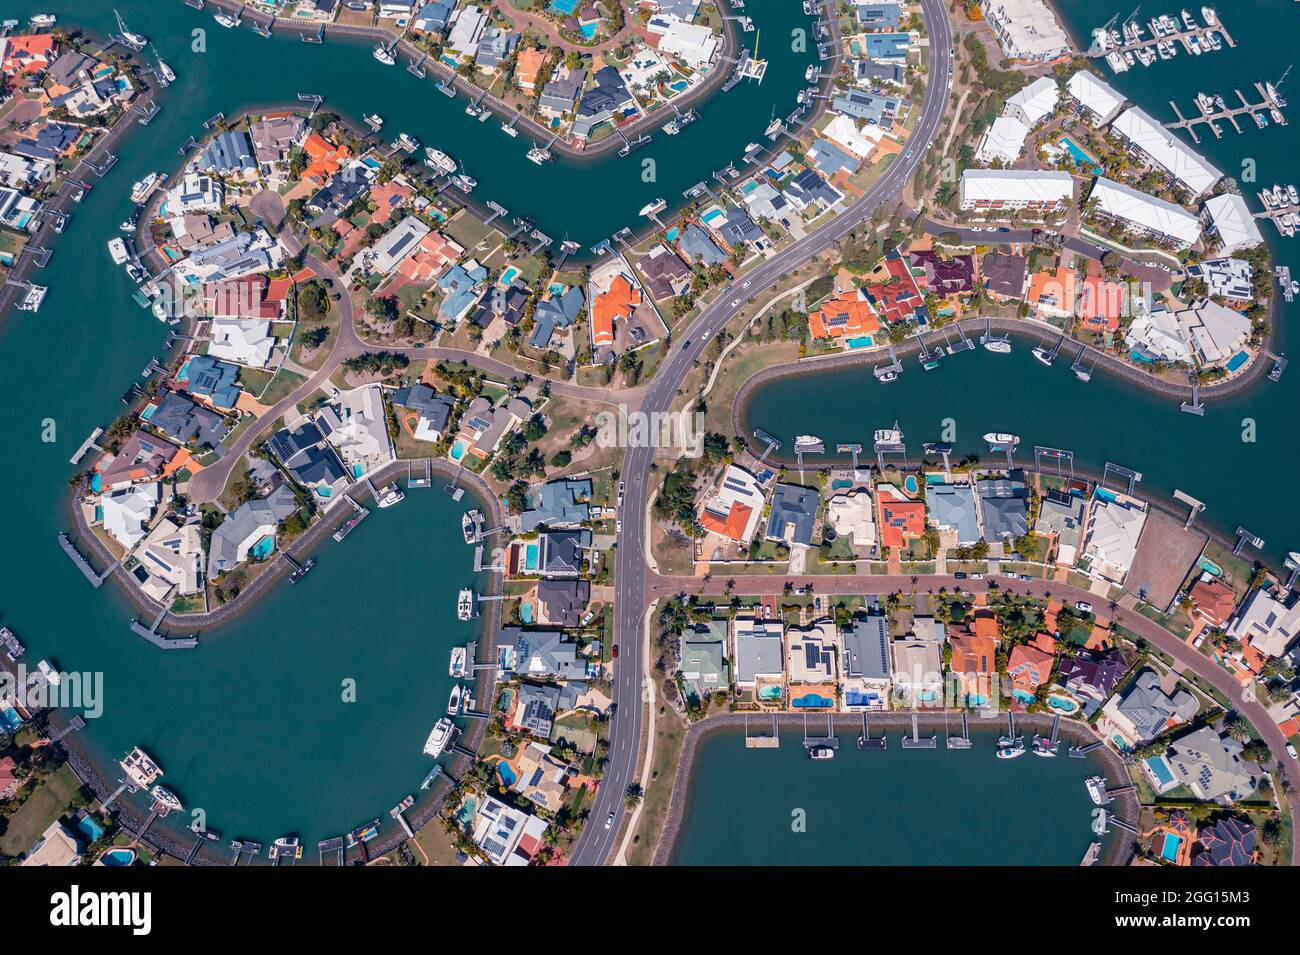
1205 102
1096 787
1194 44
464 182
32 299
391 495
887 377
132 41
43 21
165 72
509 130
457 667
889 436
1213 40
407 142
1001 438
804 441
810 75
141 769
117 249
51 675
1044 355
1293 195
1116 62
226 20
440 160
374 121
144 188
539 155
1100 822
1273 94
164 800
439 738
384 55
773 127
453 702
998 345
1209 15
820 752
286 847
469 525
1189 21
1012 750
465 604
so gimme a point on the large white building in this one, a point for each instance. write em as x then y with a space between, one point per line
1035 102
1027 30
1266 623
1214 332
1162 148
357 427
1156 335
1015 189
693 44
1002 142
1229 219
127 512
243 341
1112 537
1005 139
1145 214
1097 101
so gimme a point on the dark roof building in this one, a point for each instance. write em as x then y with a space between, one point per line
1005 276
229 152
563 602
1228 841
560 310
793 514
1094 674
664 272
178 417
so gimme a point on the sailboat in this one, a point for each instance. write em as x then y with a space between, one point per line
165 72
132 41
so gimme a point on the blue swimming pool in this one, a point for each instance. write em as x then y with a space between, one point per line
262 549
90 828
507 773
9 718
564 6
118 857
458 450
1062 703
1079 156
1160 770
812 701
1237 360
588 30
526 614
1024 696
769 692
861 341
1169 850
910 485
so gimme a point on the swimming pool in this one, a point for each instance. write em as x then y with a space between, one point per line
526 614
90 828
1237 360
118 857
1210 567
1160 770
458 450
468 808
262 549
509 275
532 556
1062 703
507 773
709 216
1024 696
812 701
1169 849
588 30
9 718
861 341
910 485
769 692
1079 156
672 234
1105 495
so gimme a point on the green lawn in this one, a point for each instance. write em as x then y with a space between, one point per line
42 807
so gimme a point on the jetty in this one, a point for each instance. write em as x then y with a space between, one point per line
866 741
151 634
770 740
331 849
962 741
828 741
1214 110
915 741
82 564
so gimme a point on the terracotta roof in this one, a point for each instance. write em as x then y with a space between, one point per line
901 521
846 315
1214 599
732 526
618 302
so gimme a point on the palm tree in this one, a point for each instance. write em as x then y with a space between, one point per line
633 795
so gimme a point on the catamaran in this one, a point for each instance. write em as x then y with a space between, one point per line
117 249
457 666
440 737
889 436
140 768
43 21
465 604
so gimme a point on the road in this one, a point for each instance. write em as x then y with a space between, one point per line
596 842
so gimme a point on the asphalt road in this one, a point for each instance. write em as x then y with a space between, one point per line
631 690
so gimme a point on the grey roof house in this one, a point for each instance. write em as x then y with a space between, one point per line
178 417
793 514
233 535
703 658
1005 507
543 654
228 153
1149 711
563 602
556 503
1211 766
952 507
559 311
434 409
563 552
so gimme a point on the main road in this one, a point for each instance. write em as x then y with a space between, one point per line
631 691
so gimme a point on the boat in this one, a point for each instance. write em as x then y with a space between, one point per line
136 272
1293 195
889 436
1116 62
384 55
887 377
363 833
1096 787
1194 44
132 41
141 770
1044 747
1090 857
807 8
539 155
143 188
374 121
127 225
51 675
440 737
1205 102
402 806
43 21
465 605
391 495
453 702
164 800
117 249
1001 438
1044 355
438 159
1213 40
820 752
1209 15
1273 94
1188 20
672 127
1100 822
407 142
32 299
811 74
226 20
465 183
773 127
1000 346
509 130
286 847
469 525
1011 750
805 442
457 666
165 72
652 207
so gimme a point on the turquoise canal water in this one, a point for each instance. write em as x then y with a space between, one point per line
890 807
251 726
1224 458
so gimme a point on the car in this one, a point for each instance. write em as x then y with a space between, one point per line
930 144
614 652
1004 229
908 154
686 344
622 486
735 302
745 284
1290 751
609 820
1083 606
960 575
618 527
976 576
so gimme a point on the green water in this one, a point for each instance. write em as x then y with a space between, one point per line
890 807
1104 420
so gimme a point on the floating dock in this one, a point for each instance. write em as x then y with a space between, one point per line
1269 107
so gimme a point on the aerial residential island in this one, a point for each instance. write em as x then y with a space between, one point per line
575 432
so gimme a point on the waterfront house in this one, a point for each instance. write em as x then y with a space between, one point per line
56 847
1092 673
695 45
1144 710
249 297
194 193
765 202
563 553
20 172
1268 622
465 30
181 419
245 253
557 312
1004 509
952 508
793 515
384 256
309 459
1215 333
561 503
1006 277
433 410
894 293
879 16
738 230
528 68
733 506
1061 520
1228 841
249 529
357 427
1029 666
831 159
506 835
852 516
126 512
1229 220
1110 542
918 664
171 560
664 272
1165 150
540 777
48 141
494 48
865 672
847 317
215 380
333 199
1094 100
1212 767
891 47
901 520
243 341
141 457
1229 279
433 17
561 93
759 656
561 603
873 74
974 662
25 57
1212 600
616 303
608 98
702 653
19 212
699 247
543 654
812 652
273 137
228 154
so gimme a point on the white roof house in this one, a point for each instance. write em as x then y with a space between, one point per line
243 341
467 26
1014 188
1158 335
1231 220
1266 623
1146 213
759 650
1112 538
1164 149
693 44
1229 278
852 515
126 512
1035 102
499 828
394 246
1214 332
1004 140
1099 101
843 131
1027 30
195 193
173 556
357 427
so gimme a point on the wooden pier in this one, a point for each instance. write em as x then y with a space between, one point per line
1268 105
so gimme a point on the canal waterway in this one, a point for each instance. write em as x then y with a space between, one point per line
891 807
1235 458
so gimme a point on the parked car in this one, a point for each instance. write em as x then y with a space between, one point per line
1083 606
960 575
614 651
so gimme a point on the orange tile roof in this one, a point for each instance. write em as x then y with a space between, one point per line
847 314
527 65
972 653
985 625
26 54
1214 599
901 521
732 526
430 258
1101 303
1029 666
618 302
1052 291
324 158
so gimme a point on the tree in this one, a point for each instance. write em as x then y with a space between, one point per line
633 795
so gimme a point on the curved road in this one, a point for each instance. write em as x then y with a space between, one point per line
597 841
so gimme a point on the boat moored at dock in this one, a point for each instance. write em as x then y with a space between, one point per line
440 738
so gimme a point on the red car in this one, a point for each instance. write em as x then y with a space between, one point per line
615 651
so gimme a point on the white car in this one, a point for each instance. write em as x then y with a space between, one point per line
618 527
1084 606
745 284
1290 751
976 576
609 820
